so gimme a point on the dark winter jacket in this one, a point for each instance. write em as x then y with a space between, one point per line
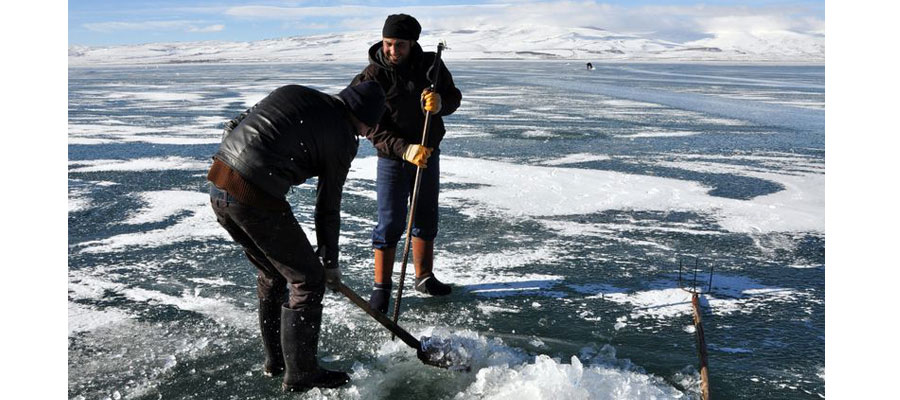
291 135
404 119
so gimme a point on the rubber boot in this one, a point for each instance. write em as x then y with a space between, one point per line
300 342
270 330
423 259
384 267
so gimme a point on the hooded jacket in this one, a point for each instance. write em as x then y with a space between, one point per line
404 119
293 134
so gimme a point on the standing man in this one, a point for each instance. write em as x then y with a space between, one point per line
403 70
293 134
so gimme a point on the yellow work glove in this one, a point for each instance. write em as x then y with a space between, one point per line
431 101
417 155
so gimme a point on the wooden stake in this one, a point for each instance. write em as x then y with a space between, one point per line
701 348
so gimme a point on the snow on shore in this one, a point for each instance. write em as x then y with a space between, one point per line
484 43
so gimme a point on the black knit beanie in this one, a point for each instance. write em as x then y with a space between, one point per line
401 26
365 101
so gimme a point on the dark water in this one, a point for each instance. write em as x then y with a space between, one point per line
569 198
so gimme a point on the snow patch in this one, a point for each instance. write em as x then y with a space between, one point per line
538 133
139 164
666 300
93 134
78 203
489 309
212 282
165 203
154 96
533 191
83 318
661 134
498 275
577 158
198 223
216 309
806 266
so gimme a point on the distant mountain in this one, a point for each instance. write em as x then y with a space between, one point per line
517 42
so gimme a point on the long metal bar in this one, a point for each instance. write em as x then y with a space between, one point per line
395 329
415 194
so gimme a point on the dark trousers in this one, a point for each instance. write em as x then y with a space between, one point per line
393 186
274 242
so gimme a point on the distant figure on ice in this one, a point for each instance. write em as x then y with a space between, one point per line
400 66
293 134
590 66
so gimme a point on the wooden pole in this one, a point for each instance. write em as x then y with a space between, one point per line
701 348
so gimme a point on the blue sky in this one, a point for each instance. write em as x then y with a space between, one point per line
97 22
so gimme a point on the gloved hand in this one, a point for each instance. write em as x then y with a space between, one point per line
333 276
431 101
332 268
417 155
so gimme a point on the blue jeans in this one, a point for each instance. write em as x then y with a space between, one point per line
393 186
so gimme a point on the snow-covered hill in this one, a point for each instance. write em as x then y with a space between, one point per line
508 42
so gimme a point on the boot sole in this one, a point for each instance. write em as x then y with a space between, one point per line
425 291
303 388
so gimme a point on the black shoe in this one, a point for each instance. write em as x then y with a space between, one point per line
381 296
270 330
300 342
431 286
322 378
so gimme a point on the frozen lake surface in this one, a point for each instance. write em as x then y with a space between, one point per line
568 198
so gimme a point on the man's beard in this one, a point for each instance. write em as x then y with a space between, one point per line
399 60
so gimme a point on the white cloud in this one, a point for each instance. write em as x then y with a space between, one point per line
272 12
211 28
304 26
352 11
174 25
